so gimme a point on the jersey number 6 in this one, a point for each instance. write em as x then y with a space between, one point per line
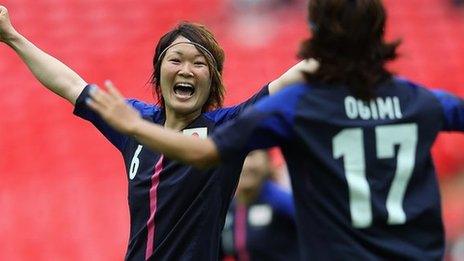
134 166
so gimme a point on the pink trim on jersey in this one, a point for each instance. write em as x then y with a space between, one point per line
241 232
153 201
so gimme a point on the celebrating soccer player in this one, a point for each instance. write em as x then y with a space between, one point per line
177 211
356 139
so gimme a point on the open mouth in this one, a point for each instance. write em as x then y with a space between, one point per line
184 89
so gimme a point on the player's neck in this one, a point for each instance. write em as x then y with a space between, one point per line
176 121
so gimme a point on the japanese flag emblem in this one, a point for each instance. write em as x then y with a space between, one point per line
197 132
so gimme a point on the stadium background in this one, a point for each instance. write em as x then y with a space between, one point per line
62 185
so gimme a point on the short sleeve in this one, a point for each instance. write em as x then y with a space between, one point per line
223 115
453 110
83 111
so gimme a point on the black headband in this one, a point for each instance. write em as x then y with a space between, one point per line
192 43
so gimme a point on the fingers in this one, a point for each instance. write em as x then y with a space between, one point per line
3 11
312 65
95 106
113 90
95 100
102 99
99 96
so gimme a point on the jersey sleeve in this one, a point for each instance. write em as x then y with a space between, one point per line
225 114
268 124
83 111
453 110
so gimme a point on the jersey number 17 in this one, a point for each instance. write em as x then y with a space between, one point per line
349 144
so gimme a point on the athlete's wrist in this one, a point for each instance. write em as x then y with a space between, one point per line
11 38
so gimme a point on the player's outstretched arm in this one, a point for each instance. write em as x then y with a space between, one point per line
294 75
111 106
52 73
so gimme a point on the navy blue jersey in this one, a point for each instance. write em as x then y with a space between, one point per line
176 211
362 174
264 229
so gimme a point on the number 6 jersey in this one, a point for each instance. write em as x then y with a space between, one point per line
177 211
362 173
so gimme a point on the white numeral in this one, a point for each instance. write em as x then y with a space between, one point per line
404 135
349 144
134 166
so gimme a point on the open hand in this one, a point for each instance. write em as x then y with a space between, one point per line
310 65
294 75
112 107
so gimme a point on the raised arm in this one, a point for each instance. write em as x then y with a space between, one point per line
294 75
52 73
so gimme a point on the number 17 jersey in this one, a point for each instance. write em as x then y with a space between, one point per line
362 173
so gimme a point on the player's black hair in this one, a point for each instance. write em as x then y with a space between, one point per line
348 41
214 55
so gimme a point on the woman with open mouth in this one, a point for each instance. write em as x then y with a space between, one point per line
177 211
